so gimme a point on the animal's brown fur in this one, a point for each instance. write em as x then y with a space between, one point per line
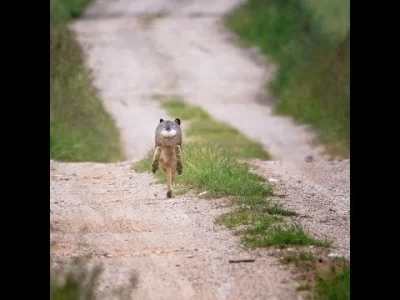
168 152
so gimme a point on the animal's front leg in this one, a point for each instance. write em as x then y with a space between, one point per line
156 159
179 164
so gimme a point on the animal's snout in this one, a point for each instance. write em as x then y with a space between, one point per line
168 128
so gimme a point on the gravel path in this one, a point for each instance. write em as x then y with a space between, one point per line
182 49
125 222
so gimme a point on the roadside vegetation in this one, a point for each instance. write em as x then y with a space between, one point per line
80 127
309 40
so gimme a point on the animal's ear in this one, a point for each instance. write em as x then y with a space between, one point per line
177 121
161 120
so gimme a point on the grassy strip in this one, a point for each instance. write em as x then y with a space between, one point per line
310 41
80 127
210 159
204 127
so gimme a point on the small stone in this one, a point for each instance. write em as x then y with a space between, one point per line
273 180
309 158
335 255
189 256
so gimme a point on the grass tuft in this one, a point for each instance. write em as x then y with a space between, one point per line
325 278
79 282
280 235
335 285
211 168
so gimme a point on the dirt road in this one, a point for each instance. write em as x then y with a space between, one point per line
127 224
182 49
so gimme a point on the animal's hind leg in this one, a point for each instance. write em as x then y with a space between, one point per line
170 179
156 160
179 165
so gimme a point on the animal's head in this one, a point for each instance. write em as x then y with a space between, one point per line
169 128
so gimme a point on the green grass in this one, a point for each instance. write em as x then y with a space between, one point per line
299 257
80 127
326 279
203 127
304 287
185 112
210 160
335 285
78 281
279 235
310 41
214 169
304 256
